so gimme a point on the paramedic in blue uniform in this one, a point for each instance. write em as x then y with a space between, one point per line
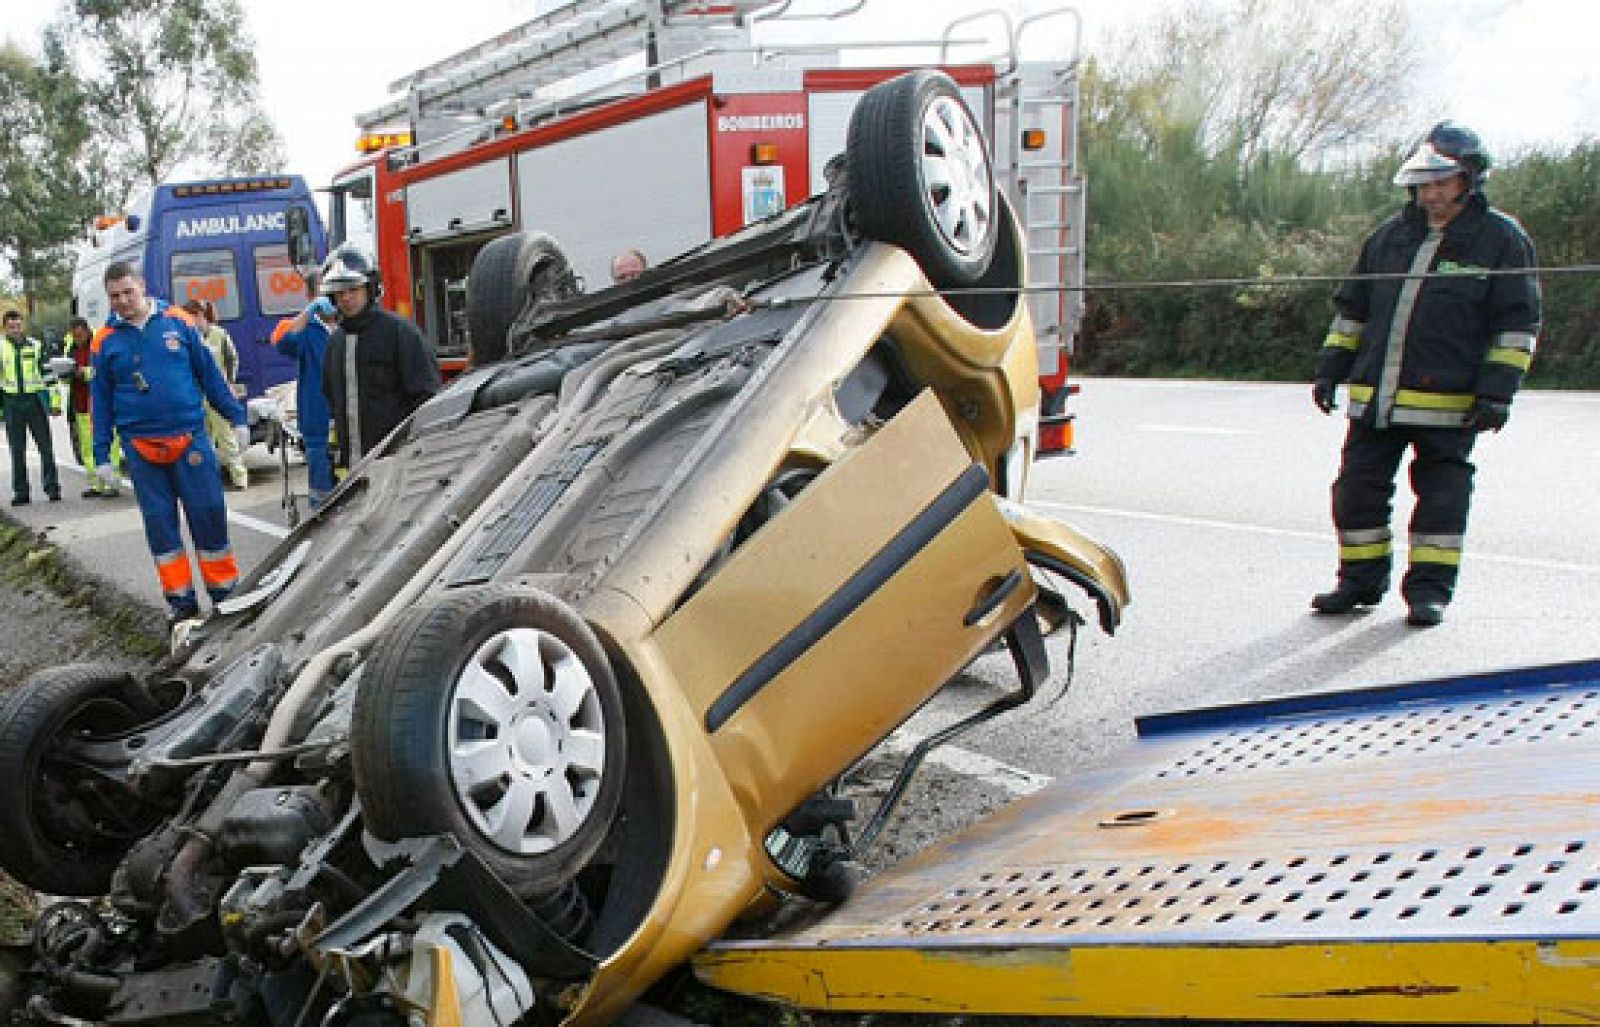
304 338
1434 347
152 378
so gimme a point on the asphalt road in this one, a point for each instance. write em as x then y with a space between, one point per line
1216 496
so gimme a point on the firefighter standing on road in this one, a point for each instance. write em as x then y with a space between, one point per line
152 377
29 401
1431 361
377 369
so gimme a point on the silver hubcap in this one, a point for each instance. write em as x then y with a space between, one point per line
955 175
527 741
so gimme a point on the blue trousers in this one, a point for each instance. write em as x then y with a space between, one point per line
319 468
194 482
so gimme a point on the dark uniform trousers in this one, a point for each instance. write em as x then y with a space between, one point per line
1363 498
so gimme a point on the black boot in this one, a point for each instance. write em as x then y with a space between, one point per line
1345 598
1425 615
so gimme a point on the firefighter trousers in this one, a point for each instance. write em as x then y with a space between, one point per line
194 482
1363 499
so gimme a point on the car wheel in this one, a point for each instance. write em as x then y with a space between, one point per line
64 827
493 716
505 273
921 177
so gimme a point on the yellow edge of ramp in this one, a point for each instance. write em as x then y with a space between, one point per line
1410 982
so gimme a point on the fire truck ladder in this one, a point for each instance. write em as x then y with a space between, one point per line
555 47
1418 853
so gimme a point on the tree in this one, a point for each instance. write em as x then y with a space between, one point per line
45 195
1302 80
172 84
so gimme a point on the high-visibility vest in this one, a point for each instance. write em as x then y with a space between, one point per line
32 378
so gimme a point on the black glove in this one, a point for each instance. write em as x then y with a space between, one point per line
1322 394
1488 414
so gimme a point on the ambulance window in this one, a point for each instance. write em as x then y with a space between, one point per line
280 286
207 275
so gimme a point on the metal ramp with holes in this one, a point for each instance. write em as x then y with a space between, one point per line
1419 853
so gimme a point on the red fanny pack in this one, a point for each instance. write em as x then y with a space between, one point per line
163 449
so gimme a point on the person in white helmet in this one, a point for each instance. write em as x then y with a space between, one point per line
1434 347
378 368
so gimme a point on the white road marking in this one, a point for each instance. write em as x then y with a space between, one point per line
1194 429
1315 536
101 527
1012 779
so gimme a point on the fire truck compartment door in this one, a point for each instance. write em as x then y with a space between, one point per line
642 183
471 199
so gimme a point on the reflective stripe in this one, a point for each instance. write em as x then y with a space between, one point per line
1428 418
1433 400
1375 551
1346 326
1405 306
219 570
1434 554
1357 410
1359 536
1360 393
1335 340
1519 359
1438 541
174 573
1524 341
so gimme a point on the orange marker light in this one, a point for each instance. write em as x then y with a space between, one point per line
1033 139
763 153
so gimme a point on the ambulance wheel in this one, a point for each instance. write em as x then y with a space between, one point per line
64 826
505 274
921 177
493 716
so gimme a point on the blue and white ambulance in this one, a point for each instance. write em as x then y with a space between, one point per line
220 240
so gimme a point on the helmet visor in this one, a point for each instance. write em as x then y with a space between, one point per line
1427 165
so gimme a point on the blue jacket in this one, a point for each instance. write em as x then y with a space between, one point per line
177 372
307 347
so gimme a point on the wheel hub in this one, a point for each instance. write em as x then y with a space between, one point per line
527 741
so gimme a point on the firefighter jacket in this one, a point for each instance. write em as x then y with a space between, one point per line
376 372
153 381
22 371
1417 350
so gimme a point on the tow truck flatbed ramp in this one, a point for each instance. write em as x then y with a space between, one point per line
1417 853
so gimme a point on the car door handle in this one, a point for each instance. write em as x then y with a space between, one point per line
991 602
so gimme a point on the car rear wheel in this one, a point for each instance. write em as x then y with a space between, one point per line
921 177
505 273
64 827
493 716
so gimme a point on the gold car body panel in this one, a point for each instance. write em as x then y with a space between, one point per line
1090 564
718 865
855 528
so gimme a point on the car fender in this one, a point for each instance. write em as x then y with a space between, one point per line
1056 546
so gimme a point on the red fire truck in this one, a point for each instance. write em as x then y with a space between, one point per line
658 124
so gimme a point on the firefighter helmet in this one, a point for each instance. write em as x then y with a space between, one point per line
347 267
1447 150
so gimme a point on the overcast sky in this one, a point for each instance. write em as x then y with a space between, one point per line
1521 72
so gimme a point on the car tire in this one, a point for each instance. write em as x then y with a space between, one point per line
493 716
921 177
61 830
505 273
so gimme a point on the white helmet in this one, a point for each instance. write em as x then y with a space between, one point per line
1447 150
347 267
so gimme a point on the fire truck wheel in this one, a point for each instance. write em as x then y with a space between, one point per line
64 824
920 176
505 274
493 716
